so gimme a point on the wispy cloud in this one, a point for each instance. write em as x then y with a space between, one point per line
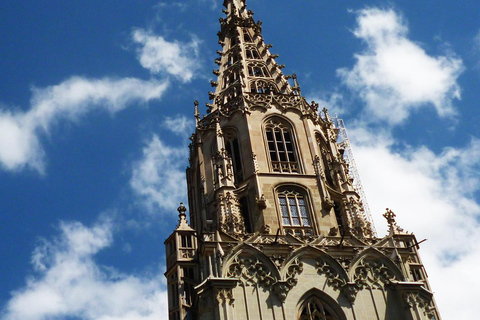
162 57
20 145
395 75
333 101
69 283
213 3
179 125
433 195
159 176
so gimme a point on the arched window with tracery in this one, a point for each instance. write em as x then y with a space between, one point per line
230 94
281 147
262 86
246 36
231 76
294 211
252 53
315 309
257 70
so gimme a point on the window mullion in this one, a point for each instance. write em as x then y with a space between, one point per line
276 149
286 152
289 211
299 212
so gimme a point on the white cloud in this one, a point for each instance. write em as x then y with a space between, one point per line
179 125
395 75
69 283
19 131
332 101
433 196
162 57
159 177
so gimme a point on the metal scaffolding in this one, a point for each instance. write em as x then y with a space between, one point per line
352 168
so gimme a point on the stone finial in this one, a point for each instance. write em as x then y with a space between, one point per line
181 211
196 113
393 227
182 221
296 86
327 116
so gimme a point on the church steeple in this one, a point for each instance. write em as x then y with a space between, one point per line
281 227
255 109
245 62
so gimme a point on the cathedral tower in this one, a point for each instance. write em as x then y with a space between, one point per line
277 226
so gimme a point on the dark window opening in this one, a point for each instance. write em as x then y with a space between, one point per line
186 241
314 309
188 293
174 291
245 213
338 215
252 54
326 168
417 273
261 87
257 71
247 37
233 150
188 273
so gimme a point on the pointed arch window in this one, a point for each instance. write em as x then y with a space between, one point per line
257 70
246 36
262 86
230 94
232 58
252 53
229 78
281 147
294 211
315 309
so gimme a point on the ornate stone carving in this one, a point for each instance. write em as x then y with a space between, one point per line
266 229
255 162
327 204
261 202
269 240
278 260
225 296
360 226
349 289
373 273
333 278
250 270
393 227
231 221
295 268
259 100
416 300
333 231
282 287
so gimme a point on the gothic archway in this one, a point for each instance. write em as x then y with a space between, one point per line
317 305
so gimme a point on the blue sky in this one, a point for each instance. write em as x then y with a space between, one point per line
96 108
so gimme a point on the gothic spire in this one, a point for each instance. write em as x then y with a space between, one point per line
245 63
